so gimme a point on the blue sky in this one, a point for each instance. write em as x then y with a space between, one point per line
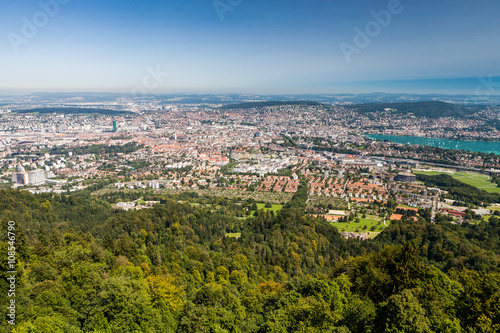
263 47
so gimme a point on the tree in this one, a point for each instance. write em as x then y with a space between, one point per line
165 288
403 314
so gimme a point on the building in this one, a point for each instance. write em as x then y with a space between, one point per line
406 178
34 177
455 213
19 178
154 185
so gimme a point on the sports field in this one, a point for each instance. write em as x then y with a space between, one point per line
474 179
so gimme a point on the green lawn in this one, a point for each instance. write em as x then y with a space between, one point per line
369 221
260 206
204 205
432 173
474 179
275 208
234 235
477 180
486 218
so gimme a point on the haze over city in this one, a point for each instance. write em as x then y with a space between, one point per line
263 47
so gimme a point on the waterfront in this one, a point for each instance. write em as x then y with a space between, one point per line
477 146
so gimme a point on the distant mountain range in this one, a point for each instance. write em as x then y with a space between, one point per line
58 99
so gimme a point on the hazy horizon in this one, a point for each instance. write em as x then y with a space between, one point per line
257 47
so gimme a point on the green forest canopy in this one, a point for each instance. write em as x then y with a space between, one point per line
250 105
430 109
75 110
458 190
85 267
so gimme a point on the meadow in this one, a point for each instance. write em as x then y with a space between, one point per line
474 179
364 225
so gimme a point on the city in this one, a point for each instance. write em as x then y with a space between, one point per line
230 166
250 151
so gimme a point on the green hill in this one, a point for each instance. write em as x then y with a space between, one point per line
431 109
74 110
250 105
83 266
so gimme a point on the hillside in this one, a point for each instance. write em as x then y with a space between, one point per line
250 105
431 109
88 268
75 110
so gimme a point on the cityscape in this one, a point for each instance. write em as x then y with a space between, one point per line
257 150
247 167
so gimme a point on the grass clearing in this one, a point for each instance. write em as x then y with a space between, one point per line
275 208
369 222
432 173
234 235
477 180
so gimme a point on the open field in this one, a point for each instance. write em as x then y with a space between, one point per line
275 207
369 222
432 173
195 204
486 218
474 179
494 208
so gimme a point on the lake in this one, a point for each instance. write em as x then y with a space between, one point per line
478 146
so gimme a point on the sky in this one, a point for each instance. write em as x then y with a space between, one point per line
243 46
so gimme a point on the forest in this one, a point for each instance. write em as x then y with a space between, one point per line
97 149
86 267
429 109
75 110
458 190
249 105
